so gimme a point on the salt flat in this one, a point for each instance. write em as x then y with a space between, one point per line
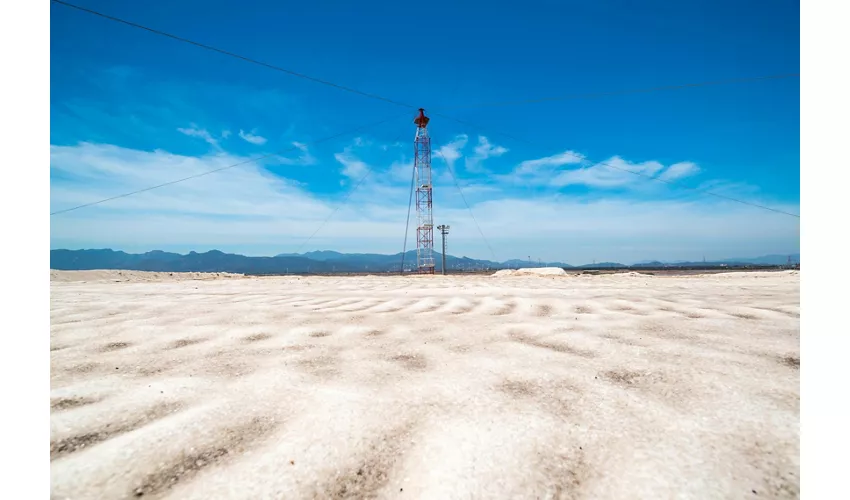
610 386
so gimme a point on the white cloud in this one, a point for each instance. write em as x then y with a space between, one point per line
486 150
483 150
609 174
246 207
615 172
305 158
535 166
225 134
452 151
352 167
194 131
242 204
387 147
679 171
252 138
727 188
95 171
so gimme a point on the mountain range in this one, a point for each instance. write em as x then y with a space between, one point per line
327 261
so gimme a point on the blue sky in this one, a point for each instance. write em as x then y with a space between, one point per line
130 109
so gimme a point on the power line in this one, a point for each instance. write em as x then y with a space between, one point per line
451 171
594 95
245 162
407 224
231 54
672 183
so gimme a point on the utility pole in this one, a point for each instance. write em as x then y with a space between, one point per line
444 230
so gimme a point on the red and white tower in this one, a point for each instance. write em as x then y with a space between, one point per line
424 200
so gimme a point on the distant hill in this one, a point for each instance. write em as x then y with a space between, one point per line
768 260
603 265
765 260
328 261
212 261
217 261
317 255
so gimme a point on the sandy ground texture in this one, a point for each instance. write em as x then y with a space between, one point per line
612 386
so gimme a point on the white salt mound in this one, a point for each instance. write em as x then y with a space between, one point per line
531 271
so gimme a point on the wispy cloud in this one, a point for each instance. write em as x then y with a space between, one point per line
679 171
560 159
483 150
486 150
452 151
304 158
252 138
612 173
352 167
201 133
619 173
94 171
390 167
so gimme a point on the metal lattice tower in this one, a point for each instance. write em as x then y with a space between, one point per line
424 200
